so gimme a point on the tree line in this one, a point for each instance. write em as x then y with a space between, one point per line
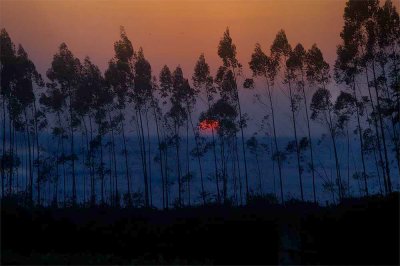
77 103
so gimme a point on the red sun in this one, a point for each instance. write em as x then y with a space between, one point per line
208 125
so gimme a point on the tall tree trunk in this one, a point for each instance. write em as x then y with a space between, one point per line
63 160
37 149
144 160
389 183
239 172
242 136
203 193
337 164
30 160
72 152
309 139
101 163
126 161
188 159
378 141
149 158
161 157
178 165
276 142
115 162
214 154
292 107
11 152
4 148
360 134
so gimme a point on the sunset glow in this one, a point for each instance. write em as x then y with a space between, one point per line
207 125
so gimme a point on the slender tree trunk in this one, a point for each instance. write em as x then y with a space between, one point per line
11 151
63 159
30 160
149 158
55 194
92 167
37 150
214 154
375 120
395 137
309 138
72 152
188 158
389 183
339 179
348 160
259 174
242 136
101 163
161 157
361 139
292 107
4 148
166 176
203 195
178 165
239 172
114 161
126 161
145 176
88 155
276 143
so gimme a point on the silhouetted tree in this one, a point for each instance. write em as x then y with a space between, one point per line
266 67
232 68
120 78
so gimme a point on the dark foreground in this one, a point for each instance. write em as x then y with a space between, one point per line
359 231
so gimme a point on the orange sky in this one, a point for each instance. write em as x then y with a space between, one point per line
171 32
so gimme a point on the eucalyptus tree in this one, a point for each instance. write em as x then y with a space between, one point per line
178 115
266 67
225 112
64 75
387 45
28 79
164 90
53 102
254 148
82 106
346 106
323 111
346 70
232 67
120 77
93 98
19 78
141 95
315 72
157 113
221 111
362 34
294 80
7 63
203 82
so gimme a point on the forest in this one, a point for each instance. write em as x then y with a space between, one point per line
70 138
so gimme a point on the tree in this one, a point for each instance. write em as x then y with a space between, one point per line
203 83
323 111
232 67
266 67
64 75
142 93
119 76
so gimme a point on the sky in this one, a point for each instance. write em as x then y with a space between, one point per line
170 32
